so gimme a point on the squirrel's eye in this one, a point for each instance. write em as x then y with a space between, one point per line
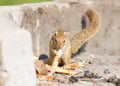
64 41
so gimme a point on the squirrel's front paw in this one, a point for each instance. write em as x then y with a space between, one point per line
59 53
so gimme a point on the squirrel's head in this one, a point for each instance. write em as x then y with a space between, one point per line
59 39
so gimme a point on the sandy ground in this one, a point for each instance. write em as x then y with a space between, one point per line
99 70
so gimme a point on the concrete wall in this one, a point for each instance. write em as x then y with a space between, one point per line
106 42
17 68
16 55
43 19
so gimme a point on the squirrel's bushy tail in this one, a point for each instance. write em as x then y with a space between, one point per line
80 38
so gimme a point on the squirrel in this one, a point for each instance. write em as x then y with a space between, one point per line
61 42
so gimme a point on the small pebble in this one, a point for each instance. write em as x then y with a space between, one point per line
89 62
103 79
73 79
42 56
106 71
117 82
112 79
88 74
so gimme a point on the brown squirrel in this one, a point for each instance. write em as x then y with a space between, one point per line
61 42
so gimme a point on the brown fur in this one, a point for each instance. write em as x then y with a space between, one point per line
80 38
60 40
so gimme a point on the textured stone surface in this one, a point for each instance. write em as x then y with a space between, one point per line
106 42
44 19
17 58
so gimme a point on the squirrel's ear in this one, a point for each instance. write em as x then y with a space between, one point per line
64 33
56 32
